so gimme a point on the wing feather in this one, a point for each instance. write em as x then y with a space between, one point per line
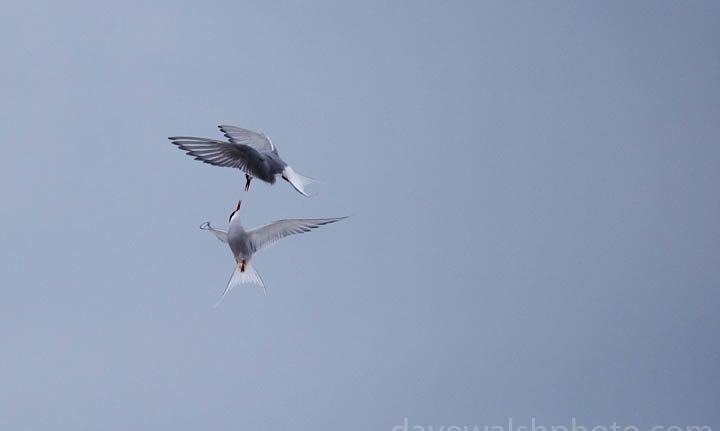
238 135
225 154
220 234
273 232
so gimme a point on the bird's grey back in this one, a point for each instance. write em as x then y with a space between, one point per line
276 163
270 166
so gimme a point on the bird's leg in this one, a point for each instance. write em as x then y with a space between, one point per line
242 266
247 184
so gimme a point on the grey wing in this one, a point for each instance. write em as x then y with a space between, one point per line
220 234
238 135
270 233
227 154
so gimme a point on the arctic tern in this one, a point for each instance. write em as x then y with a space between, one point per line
251 152
244 244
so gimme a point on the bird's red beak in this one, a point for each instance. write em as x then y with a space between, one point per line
236 210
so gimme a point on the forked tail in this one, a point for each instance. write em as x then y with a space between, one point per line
243 274
296 180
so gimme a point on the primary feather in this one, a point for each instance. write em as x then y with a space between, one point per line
271 233
251 152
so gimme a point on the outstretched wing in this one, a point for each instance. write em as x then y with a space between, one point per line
237 135
220 234
227 154
270 233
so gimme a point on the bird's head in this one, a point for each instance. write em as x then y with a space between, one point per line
235 211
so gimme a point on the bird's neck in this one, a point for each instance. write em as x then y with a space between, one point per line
235 222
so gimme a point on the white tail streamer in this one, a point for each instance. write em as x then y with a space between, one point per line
249 276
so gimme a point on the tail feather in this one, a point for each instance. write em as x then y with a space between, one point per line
248 276
298 181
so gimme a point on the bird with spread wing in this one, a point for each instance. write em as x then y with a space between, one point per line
251 152
245 243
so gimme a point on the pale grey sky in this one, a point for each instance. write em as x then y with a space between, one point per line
535 196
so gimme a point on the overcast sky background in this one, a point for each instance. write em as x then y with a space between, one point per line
535 197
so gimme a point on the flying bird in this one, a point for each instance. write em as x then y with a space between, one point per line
245 243
251 152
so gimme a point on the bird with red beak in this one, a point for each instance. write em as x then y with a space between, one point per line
245 243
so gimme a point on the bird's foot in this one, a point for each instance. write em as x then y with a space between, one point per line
247 183
242 266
